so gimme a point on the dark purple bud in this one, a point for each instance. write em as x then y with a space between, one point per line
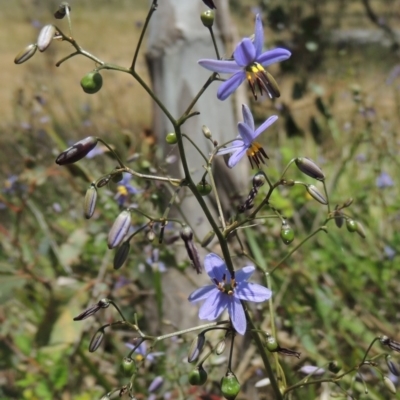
259 179
391 343
77 151
209 4
121 255
392 366
103 303
339 219
103 181
196 347
96 340
187 236
308 167
61 12
316 194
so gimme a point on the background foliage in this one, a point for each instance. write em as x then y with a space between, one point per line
341 108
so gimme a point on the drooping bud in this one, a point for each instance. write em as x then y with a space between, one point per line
208 239
156 384
360 230
90 201
61 12
187 236
392 366
45 37
25 54
121 255
230 386
316 194
103 303
207 18
339 219
308 167
351 225
128 366
196 347
103 181
334 367
77 151
389 385
198 376
117 177
209 3
96 341
220 347
204 188
206 132
287 233
386 341
119 229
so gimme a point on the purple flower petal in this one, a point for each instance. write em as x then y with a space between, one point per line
231 149
220 66
247 134
213 307
245 273
266 124
236 312
258 35
245 53
230 85
214 266
236 156
253 292
201 293
272 56
248 117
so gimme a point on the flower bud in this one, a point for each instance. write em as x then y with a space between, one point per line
61 12
316 194
156 384
204 188
96 341
230 386
25 54
206 132
334 367
103 181
351 225
209 3
151 236
220 348
198 376
186 233
308 167
90 201
271 85
208 239
196 347
259 179
348 203
119 229
121 255
338 217
45 37
360 230
389 385
128 366
392 366
287 233
77 151
207 18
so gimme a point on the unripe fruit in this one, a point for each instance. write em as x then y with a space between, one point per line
198 376
230 386
92 82
351 225
207 18
128 366
204 188
171 138
287 233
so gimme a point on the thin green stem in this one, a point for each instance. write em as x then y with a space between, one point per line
120 162
153 8
183 331
214 42
195 146
217 200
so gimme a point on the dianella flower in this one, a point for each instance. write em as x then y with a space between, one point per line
245 142
226 292
249 63
124 189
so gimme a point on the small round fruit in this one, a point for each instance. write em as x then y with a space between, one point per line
351 225
198 376
92 82
171 138
230 386
204 188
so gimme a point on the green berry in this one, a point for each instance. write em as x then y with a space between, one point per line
128 366
204 188
92 82
198 376
171 138
207 18
287 233
351 225
230 386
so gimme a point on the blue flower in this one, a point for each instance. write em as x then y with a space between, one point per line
384 180
245 144
248 63
124 189
141 352
226 292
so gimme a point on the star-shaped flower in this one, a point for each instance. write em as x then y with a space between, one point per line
124 189
226 292
245 142
248 62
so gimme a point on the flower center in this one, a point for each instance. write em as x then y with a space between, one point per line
122 190
257 76
226 287
256 153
